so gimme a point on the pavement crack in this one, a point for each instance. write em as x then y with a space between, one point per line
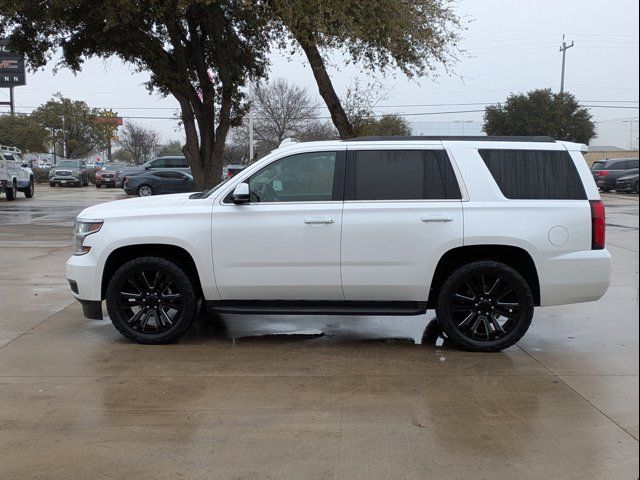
560 380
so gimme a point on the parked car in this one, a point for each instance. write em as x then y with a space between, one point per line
69 172
628 183
158 182
606 172
230 170
16 174
483 229
107 175
159 163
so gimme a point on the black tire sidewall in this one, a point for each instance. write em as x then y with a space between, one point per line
446 319
182 281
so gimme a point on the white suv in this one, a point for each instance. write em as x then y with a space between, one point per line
482 229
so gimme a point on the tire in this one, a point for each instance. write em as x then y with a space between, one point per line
501 289
31 189
605 190
12 192
635 188
52 185
133 283
98 185
145 190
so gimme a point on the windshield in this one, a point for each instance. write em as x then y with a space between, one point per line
112 168
68 163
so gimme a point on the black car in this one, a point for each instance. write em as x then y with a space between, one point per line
606 172
628 183
158 182
177 162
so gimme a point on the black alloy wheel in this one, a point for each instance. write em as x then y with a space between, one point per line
151 300
485 306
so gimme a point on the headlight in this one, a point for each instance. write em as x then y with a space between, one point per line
84 228
52 173
76 172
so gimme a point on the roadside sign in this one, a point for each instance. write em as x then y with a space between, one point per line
12 69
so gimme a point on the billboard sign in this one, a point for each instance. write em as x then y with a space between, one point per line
12 71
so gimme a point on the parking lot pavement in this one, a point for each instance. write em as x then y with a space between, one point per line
306 397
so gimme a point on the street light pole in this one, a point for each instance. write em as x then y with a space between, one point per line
564 49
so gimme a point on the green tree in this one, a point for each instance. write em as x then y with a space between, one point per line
541 112
386 126
77 131
23 132
413 36
201 52
173 148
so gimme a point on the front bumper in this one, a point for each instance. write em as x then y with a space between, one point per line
66 179
106 181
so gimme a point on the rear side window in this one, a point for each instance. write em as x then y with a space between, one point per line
597 166
175 162
400 175
534 174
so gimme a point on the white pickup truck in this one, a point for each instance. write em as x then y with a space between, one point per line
15 174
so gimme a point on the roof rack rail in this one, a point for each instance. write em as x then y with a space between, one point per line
480 138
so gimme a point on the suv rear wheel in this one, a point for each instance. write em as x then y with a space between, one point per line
151 300
485 306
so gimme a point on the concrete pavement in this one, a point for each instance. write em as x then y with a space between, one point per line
306 397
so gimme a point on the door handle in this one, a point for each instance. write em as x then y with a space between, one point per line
436 219
319 221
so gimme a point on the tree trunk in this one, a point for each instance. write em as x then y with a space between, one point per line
325 87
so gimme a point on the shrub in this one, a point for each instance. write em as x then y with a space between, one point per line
41 175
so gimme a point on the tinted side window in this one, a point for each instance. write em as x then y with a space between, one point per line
176 163
306 177
159 163
632 164
400 175
534 174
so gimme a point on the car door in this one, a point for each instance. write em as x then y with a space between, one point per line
169 182
402 212
285 243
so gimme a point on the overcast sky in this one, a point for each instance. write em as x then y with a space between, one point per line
512 47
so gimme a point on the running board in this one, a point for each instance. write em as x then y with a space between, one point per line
296 307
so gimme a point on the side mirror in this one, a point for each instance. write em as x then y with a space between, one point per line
25 164
241 194
147 167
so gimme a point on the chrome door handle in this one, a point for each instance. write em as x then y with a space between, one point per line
319 221
437 218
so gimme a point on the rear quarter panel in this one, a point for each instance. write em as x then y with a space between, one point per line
551 231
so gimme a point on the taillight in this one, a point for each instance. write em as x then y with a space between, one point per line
602 173
597 224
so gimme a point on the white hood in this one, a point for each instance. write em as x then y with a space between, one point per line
133 206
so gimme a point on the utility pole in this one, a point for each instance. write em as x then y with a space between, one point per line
563 50
250 122
11 101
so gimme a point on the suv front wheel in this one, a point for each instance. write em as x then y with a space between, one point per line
151 300
485 306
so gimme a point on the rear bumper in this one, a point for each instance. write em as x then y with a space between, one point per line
574 277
